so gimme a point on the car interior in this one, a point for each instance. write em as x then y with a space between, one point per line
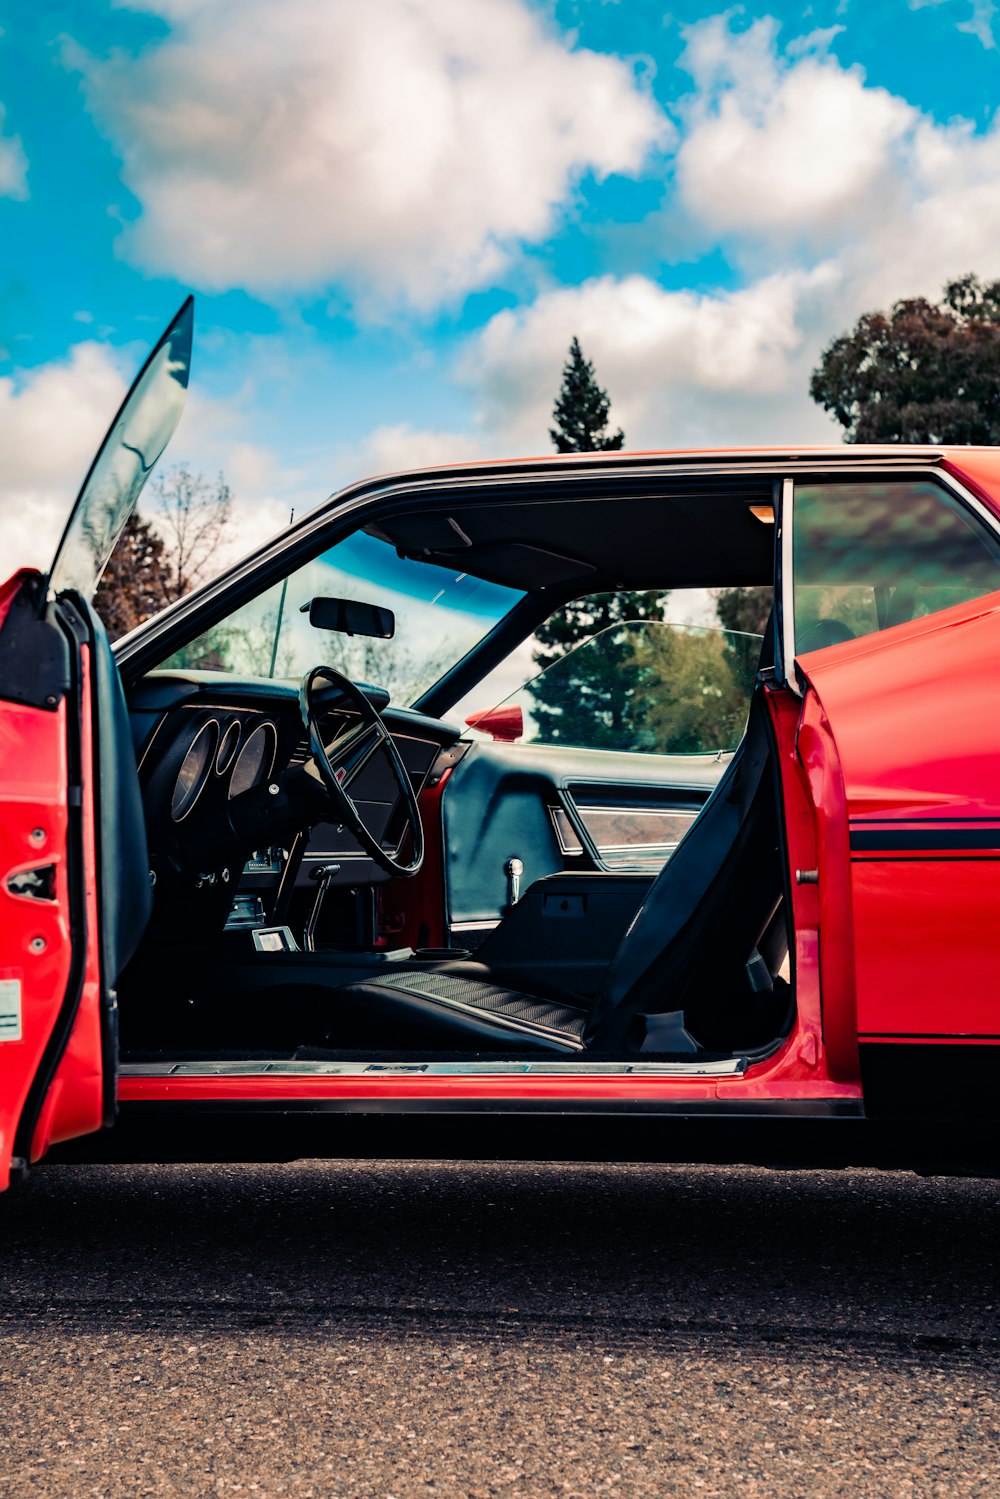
327 869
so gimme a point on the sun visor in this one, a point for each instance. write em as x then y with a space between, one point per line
518 565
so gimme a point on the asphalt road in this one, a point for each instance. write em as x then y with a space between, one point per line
463 1331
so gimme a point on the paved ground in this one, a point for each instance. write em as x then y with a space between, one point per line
465 1331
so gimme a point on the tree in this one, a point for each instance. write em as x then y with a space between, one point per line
588 701
581 410
923 372
692 688
138 580
194 516
744 609
160 559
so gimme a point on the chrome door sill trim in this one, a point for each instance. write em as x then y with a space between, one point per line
730 1067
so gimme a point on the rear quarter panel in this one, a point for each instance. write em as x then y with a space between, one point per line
915 713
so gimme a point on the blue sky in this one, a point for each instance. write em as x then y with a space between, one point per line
395 214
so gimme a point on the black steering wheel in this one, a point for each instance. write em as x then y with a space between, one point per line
342 761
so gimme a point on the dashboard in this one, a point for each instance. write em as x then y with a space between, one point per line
203 741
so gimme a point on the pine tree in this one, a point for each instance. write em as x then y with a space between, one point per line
587 702
581 410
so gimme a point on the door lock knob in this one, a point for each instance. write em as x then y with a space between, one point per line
513 869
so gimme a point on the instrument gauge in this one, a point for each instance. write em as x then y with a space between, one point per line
227 748
194 770
255 760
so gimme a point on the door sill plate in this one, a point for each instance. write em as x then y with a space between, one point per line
730 1067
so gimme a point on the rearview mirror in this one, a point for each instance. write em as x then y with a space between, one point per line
351 617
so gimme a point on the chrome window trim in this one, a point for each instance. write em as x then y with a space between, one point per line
568 851
787 586
638 848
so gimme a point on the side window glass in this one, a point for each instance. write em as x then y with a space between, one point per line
867 556
639 686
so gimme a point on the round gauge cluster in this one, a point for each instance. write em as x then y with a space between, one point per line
255 760
228 747
194 772
241 756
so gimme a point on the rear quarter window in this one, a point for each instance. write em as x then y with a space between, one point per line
867 556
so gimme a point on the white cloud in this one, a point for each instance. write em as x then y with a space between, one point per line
51 421
797 155
405 147
682 369
774 148
856 195
13 164
214 438
400 446
979 23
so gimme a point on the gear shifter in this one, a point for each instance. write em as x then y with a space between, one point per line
324 877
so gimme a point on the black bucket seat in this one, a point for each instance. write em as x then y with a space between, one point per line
682 962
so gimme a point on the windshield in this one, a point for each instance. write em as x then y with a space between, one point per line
440 615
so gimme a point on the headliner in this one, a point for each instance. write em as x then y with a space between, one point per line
682 535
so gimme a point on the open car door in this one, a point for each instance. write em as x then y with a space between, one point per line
74 875
891 614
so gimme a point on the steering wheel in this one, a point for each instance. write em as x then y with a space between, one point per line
342 761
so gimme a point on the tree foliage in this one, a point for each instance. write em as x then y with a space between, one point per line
692 688
194 515
923 372
589 700
137 581
647 686
744 609
162 558
581 410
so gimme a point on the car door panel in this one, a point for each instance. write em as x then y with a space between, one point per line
636 826
36 951
559 809
47 895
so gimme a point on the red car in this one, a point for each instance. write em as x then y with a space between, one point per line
269 886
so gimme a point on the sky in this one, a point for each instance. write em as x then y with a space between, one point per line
396 214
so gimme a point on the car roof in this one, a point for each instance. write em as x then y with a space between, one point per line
834 452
